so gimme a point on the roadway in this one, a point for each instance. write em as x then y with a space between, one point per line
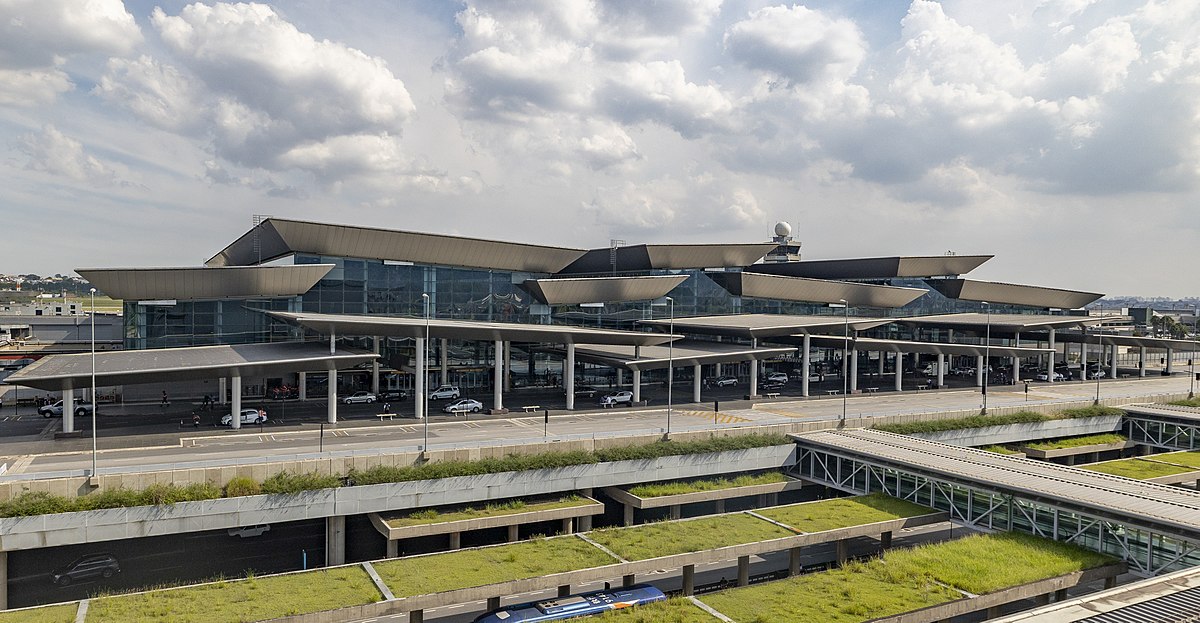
286 438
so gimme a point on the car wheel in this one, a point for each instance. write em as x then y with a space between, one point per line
80 412
108 573
474 409
64 580
46 415
370 400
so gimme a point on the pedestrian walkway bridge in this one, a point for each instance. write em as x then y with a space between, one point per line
1163 426
1154 528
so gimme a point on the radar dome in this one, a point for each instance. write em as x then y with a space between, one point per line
783 229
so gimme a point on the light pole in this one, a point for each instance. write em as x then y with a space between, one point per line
1099 355
1195 340
670 362
987 355
424 397
846 358
94 400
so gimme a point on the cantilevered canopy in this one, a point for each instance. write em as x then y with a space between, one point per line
1006 323
336 324
876 267
131 367
641 257
1155 343
1011 293
682 354
205 282
573 291
927 348
782 288
749 326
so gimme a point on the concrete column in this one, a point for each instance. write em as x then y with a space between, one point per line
637 386
743 570
853 370
3 580
493 603
1113 374
992 612
805 367
885 539
675 511
1016 361
236 422
843 551
1060 594
444 355
507 366
564 590
331 410
628 519
794 566
1110 582
513 533
416 616
303 382
393 548
941 370
718 370
899 371
498 382
419 391
720 506
979 363
1083 359
882 363
753 370
1050 365
1170 356
68 397
696 374
335 540
585 522
455 540
375 367
568 525
221 391
569 376
689 580
620 377
628 580
1142 361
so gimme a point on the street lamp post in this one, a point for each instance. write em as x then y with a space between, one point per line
846 357
670 362
1195 341
1099 355
987 355
94 400
424 397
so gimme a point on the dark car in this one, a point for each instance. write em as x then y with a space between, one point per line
86 568
395 394
586 391
770 386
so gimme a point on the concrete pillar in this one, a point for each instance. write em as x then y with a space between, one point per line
498 381
885 539
805 367
675 511
718 370
743 570
444 356
1142 361
899 371
979 364
620 377
689 580
568 374
992 612
303 383
1050 365
794 566
628 580
416 616
236 422
493 603
419 391
1110 582
882 363
753 370
68 397
1016 361
853 370
393 548
3 580
1060 594
585 522
941 370
564 590
720 506
455 540
1113 374
637 386
843 550
1043 599
1083 359
628 515
1170 356
222 391
375 367
507 366
513 533
335 540
331 410
568 525
696 374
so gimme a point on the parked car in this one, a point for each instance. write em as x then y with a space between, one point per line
463 405
358 397
445 392
249 531
56 409
722 381
770 386
249 416
1058 376
777 377
86 568
586 391
393 394
616 398
1096 374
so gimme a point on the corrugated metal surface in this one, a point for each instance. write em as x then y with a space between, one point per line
1169 508
573 291
205 283
931 348
679 256
814 290
1006 322
685 354
767 325
1181 607
1015 294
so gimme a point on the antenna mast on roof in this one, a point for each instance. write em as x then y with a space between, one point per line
612 253
255 221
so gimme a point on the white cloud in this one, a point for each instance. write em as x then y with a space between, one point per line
158 94
32 87
659 91
53 152
37 34
799 44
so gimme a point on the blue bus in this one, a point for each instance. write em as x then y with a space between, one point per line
572 606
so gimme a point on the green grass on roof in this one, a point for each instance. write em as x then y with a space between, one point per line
512 507
709 484
665 538
1000 450
48 614
675 610
1138 469
1190 459
436 573
1189 402
1077 442
843 512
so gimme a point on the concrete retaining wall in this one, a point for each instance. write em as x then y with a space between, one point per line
1010 433
585 508
1077 450
626 497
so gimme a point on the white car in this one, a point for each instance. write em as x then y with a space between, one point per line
463 406
1058 376
722 381
777 377
249 416
358 397
56 409
616 398
445 392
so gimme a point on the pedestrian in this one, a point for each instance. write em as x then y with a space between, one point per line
387 407
207 402
164 399
195 420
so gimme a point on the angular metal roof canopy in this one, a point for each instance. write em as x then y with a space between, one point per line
642 257
876 267
205 282
1013 294
131 367
1007 323
814 290
927 348
467 329
682 354
573 291
760 326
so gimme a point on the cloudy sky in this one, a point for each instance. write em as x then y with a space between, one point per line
1061 135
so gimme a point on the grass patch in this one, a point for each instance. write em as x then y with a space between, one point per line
843 512
1190 459
905 580
1188 402
678 537
673 610
49 614
430 516
1138 469
41 503
711 484
1000 450
253 599
1092 411
436 573
1077 442
981 421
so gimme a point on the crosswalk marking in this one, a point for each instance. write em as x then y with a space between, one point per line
720 418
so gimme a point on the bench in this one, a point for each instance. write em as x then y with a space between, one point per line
921 387
383 416
871 390
772 394
531 408
833 392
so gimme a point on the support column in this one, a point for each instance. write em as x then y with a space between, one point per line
3 580
689 580
1016 361
222 391
508 366
513 533
885 539
335 540
696 374
843 551
1083 359
753 370
564 590
569 376
1113 375
455 540
375 367
498 381
628 580
794 566
979 364
628 518
568 525
68 397
416 616
585 522
743 570
675 511
493 603
620 377
721 505
853 370
805 367
331 415
393 548
1053 355
899 372
637 386
1170 356
444 355
236 422
419 391
1142 361
941 370
303 382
